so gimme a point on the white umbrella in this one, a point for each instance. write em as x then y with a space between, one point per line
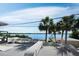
3 24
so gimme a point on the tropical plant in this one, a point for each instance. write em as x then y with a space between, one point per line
53 28
77 24
75 34
44 25
60 27
75 30
68 24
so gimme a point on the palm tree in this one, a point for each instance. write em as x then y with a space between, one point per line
53 28
60 27
68 24
44 25
77 24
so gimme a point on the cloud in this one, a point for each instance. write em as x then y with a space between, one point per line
35 14
32 14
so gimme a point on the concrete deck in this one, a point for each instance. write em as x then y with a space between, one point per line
20 50
5 47
52 51
15 50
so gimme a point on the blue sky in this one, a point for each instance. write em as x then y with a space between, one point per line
10 7
14 13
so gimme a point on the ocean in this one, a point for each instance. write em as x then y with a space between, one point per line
42 36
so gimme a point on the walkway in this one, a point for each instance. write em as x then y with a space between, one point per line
17 50
51 51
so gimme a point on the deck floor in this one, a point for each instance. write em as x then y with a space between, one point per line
52 51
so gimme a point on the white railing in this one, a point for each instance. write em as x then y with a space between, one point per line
33 50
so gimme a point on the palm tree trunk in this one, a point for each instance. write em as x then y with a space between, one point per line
55 36
46 36
65 36
62 35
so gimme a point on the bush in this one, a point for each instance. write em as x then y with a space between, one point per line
20 36
75 34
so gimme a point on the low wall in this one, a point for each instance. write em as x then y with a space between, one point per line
33 50
75 43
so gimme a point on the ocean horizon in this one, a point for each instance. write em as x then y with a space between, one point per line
41 36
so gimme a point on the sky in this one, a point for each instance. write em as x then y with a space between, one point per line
15 13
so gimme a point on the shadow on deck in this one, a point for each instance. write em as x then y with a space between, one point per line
24 46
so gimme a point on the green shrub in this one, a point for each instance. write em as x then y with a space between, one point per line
75 34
